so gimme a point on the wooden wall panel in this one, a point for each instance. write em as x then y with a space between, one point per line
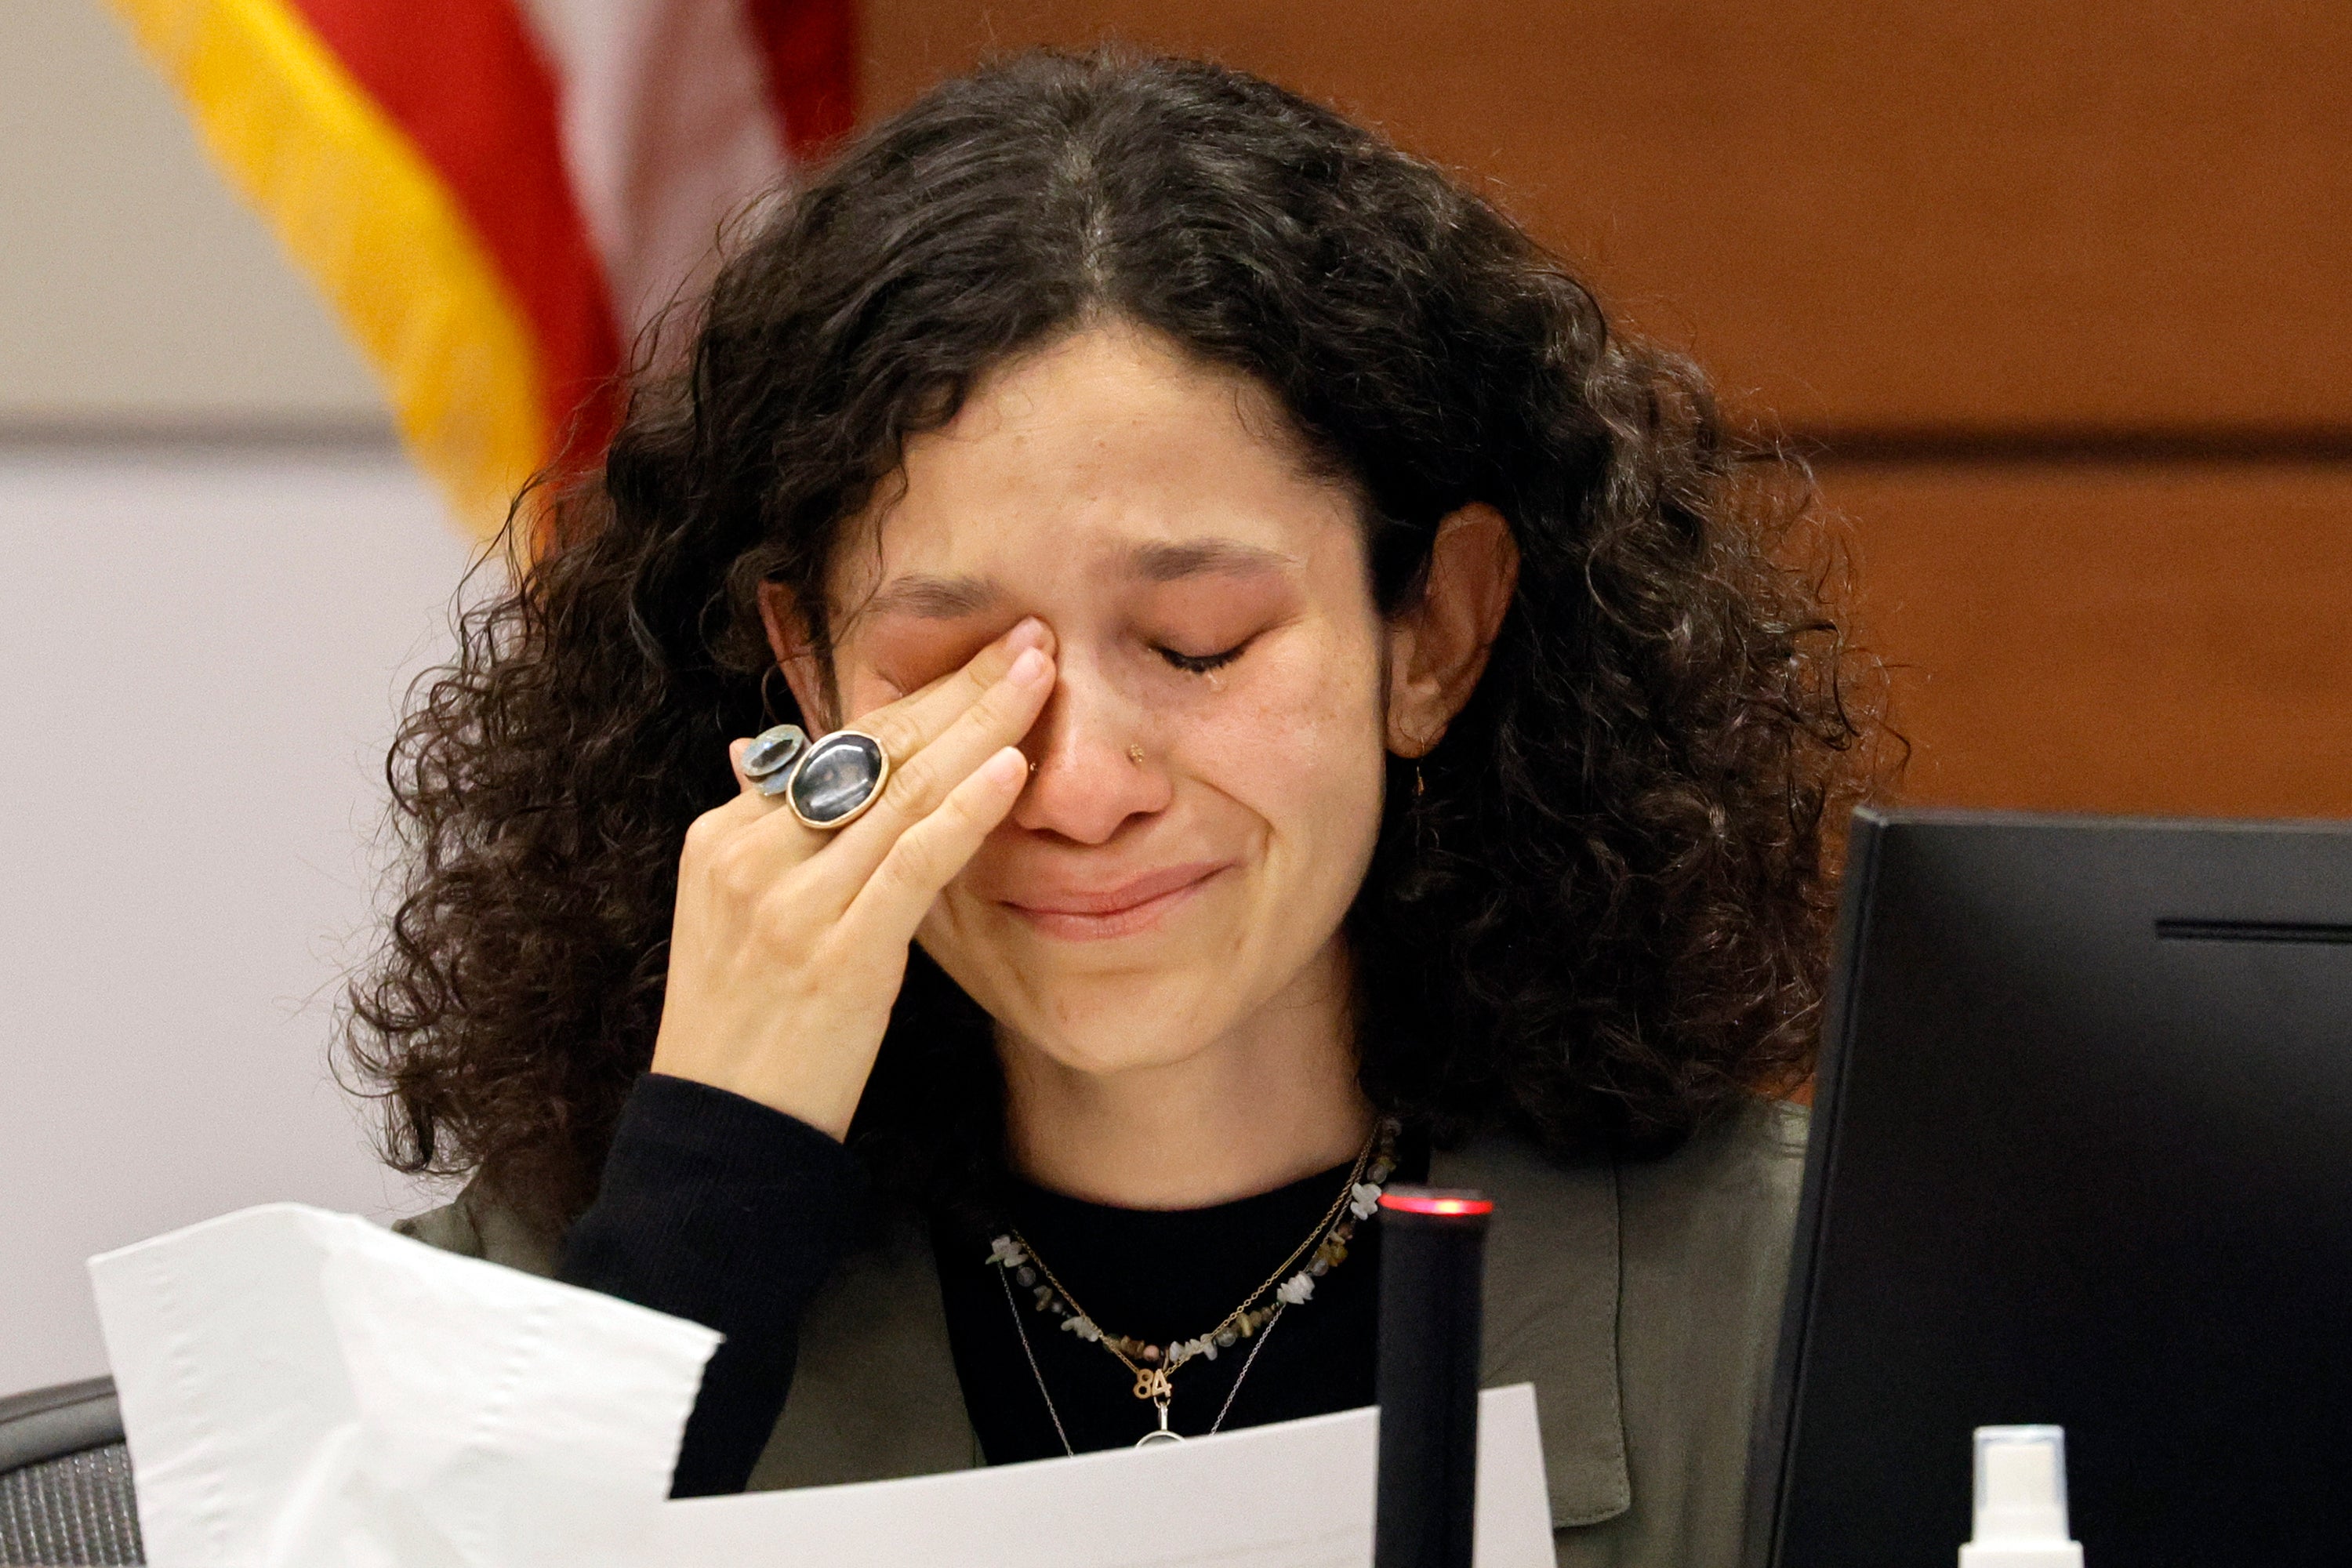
1901 217
2167 639
1959 240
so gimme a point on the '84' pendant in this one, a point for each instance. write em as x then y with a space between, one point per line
1151 1383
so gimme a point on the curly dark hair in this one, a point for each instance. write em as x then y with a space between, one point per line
1597 910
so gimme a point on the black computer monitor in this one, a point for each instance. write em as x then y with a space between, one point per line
2081 1153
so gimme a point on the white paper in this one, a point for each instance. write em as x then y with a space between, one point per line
1297 1494
301 1388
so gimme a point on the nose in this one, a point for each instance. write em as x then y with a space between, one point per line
1088 782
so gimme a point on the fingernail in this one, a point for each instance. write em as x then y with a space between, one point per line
1030 633
1007 765
1029 669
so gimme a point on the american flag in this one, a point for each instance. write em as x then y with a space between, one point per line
496 195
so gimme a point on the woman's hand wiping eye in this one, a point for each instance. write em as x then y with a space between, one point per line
789 944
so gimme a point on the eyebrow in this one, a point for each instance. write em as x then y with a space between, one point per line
1202 558
935 598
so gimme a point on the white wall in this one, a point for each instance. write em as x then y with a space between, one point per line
133 287
199 654
213 568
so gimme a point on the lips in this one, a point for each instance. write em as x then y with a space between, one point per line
1092 914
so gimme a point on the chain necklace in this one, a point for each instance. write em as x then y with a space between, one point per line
1154 1367
1159 1434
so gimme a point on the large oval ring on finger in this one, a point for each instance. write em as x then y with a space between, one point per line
836 779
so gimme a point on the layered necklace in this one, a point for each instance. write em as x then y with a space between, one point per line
1154 1366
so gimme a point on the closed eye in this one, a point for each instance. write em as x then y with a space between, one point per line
1203 663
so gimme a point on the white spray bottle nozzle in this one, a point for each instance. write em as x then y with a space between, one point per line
2021 1500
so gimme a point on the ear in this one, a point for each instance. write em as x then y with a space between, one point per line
796 651
1438 644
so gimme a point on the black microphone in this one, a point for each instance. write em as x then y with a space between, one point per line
1432 1287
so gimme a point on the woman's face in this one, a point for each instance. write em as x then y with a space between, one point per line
1208 772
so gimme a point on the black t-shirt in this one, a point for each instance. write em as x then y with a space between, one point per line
721 1210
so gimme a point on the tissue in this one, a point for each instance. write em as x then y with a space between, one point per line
279 1411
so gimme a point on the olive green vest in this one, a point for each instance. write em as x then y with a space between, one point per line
1641 1299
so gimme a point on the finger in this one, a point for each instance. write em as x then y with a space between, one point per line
1005 712
999 716
739 811
903 727
915 721
926 858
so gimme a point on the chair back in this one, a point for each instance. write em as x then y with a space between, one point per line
66 1494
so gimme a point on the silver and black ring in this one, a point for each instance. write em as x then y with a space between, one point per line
828 784
768 760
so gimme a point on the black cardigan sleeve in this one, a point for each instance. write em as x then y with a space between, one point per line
716 1208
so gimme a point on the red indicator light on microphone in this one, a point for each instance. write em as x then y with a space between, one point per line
1432 1203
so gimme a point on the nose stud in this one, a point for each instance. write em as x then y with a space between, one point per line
1135 755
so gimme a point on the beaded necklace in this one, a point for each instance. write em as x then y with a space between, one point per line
1154 1365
